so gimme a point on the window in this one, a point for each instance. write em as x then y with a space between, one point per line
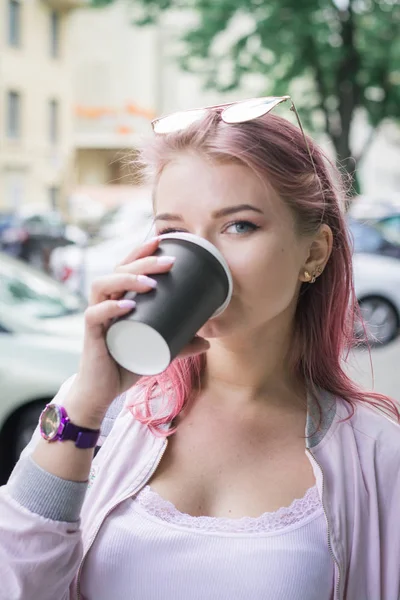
390 227
53 121
13 117
54 34
14 23
54 193
14 188
366 238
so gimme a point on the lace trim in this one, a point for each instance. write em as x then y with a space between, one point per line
286 516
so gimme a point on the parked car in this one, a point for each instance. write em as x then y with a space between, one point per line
13 234
389 226
367 238
47 230
32 235
377 283
41 337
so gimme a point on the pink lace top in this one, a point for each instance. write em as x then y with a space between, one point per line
147 549
268 522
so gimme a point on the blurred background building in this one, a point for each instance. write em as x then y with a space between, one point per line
117 93
79 86
36 117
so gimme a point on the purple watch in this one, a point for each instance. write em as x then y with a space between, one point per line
55 425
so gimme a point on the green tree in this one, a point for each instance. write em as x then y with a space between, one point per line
346 53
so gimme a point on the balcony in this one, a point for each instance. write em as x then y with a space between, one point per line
100 127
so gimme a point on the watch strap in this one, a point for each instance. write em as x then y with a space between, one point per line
84 438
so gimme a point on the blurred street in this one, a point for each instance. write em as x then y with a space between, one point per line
384 376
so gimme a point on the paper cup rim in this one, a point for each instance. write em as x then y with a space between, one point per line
203 243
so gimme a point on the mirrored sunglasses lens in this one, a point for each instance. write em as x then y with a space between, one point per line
249 110
178 121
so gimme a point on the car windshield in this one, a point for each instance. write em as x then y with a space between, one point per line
390 228
366 238
36 294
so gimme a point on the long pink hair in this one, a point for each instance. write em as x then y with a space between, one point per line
324 322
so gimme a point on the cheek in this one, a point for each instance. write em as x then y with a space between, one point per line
269 276
254 265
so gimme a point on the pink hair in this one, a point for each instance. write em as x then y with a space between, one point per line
324 323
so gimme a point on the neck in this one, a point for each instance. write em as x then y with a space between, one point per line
253 367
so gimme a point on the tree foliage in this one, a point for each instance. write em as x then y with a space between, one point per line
345 53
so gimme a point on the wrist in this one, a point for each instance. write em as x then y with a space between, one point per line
83 418
83 407
82 414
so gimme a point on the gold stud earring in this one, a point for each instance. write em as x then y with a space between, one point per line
307 276
316 274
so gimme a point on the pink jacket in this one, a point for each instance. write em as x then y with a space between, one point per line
357 468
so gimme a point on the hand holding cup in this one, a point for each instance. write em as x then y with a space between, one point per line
198 287
100 379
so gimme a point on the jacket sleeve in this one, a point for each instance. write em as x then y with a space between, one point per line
40 540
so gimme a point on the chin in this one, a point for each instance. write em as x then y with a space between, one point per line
217 328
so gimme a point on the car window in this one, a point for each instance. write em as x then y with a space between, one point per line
37 295
390 227
366 239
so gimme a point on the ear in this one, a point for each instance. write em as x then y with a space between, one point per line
319 251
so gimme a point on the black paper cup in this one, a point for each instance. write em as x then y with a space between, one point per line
166 319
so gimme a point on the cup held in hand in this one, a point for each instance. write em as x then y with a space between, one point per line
166 319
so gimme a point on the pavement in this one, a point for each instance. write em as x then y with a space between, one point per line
379 370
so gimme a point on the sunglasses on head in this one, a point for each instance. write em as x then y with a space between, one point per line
231 113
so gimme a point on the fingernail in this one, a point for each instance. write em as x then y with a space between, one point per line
166 260
147 280
126 303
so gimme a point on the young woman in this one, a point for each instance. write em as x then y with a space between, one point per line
253 468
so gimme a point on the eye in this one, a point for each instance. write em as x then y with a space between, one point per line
241 227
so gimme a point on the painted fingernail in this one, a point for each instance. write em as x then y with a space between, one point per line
147 280
166 260
126 304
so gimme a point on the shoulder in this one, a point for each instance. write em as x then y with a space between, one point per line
366 418
371 428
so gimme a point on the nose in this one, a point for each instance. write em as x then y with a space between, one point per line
205 232
208 235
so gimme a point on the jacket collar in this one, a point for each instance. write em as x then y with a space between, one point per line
321 411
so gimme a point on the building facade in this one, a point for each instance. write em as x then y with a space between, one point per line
117 82
124 76
78 90
36 117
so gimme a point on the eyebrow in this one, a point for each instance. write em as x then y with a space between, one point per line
223 212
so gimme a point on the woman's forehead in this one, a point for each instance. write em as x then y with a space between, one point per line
193 183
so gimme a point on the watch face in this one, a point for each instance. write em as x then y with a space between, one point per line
50 422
